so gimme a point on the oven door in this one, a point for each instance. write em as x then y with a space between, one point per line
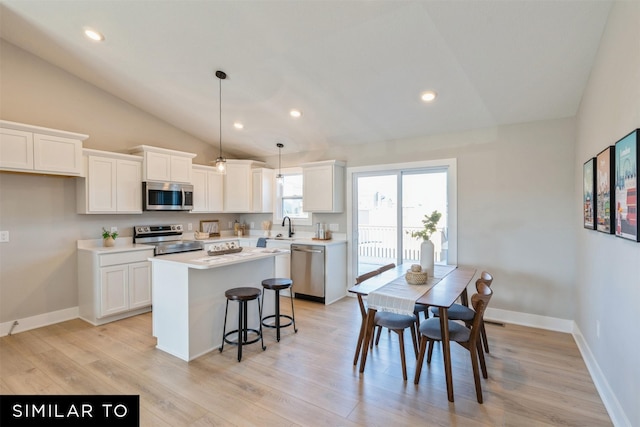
159 196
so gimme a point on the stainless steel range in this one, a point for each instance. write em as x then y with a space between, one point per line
166 238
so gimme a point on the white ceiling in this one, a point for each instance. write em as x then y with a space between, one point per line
354 68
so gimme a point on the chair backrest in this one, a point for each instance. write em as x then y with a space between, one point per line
366 276
486 277
479 302
386 267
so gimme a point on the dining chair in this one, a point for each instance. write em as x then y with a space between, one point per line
397 323
468 338
464 313
363 309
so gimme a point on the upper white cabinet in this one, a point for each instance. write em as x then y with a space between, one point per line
323 186
241 184
207 189
163 165
262 190
35 149
112 184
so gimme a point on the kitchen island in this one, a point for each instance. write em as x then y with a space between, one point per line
188 296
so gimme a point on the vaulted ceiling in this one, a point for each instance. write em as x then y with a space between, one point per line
355 69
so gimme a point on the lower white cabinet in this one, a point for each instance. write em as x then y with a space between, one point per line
113 285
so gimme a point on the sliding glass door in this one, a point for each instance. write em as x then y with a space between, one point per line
390 206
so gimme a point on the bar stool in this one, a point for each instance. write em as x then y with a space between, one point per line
278 284
243 296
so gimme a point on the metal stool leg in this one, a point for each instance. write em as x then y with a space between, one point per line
260 320
224 328
241 332
277 315
293 314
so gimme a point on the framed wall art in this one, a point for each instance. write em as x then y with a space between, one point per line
605 197
588 193
210 226
626 186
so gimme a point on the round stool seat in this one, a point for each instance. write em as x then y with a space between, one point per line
242 294
277 283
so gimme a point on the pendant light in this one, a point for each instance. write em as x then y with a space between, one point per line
279 177
221 162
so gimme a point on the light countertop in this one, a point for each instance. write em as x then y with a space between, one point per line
202 260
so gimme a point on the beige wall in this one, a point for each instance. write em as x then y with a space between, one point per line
38 265
608 273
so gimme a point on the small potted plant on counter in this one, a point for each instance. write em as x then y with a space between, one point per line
109 237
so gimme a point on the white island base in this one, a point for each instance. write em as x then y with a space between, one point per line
189 301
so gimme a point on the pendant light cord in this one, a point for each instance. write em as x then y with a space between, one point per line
220 114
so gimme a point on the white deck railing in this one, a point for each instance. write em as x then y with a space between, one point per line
380 242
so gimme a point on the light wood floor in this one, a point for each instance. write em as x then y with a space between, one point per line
536 377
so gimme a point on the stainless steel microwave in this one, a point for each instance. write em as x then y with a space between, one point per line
167 196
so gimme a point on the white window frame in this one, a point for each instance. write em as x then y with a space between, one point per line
277 210
452 204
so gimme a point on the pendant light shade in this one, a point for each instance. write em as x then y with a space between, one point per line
221 162
279 177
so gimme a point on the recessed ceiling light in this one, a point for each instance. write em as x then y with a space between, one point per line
295 113
93 35
428 96
238 125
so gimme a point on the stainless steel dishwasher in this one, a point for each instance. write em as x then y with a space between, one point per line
307 271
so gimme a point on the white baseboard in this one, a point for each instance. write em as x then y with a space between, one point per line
531 320
39 321
616 413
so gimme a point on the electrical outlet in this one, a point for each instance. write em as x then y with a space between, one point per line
597 329
229 225
4 236
334 227
252 225
114 229
189 227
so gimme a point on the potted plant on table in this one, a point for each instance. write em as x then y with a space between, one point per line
109 237
426 247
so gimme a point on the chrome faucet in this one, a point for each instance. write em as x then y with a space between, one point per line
290 227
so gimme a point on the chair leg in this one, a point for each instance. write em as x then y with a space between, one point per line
483 365
423 348
400 333
483 332
356 356
378 335
415 340
476 375
430 351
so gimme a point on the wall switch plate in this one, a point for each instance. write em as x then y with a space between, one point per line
252 225
229 225
4 236
189 227
334 227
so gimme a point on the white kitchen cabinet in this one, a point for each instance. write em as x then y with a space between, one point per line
163 165
323 186
239 186
207 189
113 285
112 184
35 149
262 190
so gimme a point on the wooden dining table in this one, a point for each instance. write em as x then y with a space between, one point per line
451 284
